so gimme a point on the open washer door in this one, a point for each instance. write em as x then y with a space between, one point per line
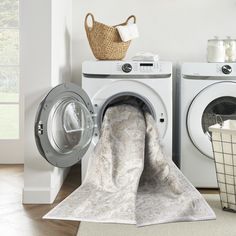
64 125
216 99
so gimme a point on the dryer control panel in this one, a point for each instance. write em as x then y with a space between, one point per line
226 69
213 70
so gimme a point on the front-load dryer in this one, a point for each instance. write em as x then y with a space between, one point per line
69 117
206 90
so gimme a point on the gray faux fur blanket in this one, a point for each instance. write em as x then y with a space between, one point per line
129 179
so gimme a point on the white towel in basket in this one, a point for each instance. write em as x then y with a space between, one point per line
128 32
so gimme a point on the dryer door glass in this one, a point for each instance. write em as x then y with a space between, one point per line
223 107
216 99
64 125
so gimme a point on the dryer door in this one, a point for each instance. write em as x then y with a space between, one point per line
64 125
216 99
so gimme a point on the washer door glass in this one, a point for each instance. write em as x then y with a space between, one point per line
216 99
64 125
70 126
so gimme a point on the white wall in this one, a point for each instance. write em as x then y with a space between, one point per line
61 31
45 62
177 30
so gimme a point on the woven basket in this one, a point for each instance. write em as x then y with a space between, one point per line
105 41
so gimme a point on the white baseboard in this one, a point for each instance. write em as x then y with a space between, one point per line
43 195
37 196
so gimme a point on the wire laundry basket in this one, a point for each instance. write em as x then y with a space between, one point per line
223 138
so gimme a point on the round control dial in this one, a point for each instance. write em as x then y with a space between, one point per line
226 69
127 67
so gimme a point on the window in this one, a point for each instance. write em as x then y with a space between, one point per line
9 69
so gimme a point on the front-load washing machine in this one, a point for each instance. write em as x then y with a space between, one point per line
69 117
207 91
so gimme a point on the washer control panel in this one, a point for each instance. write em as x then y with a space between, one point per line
148 67
139 67
127 68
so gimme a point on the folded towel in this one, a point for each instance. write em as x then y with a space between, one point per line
128 32
129 178
147 56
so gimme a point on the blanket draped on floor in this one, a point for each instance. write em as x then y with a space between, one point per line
130 180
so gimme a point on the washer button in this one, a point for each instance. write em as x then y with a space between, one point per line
127 67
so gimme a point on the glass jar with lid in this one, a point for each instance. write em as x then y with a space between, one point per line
230 49
216 50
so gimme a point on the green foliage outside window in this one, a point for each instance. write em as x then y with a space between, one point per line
9 50
9 69
9 13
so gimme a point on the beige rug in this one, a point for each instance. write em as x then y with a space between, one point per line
130 179
224 225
